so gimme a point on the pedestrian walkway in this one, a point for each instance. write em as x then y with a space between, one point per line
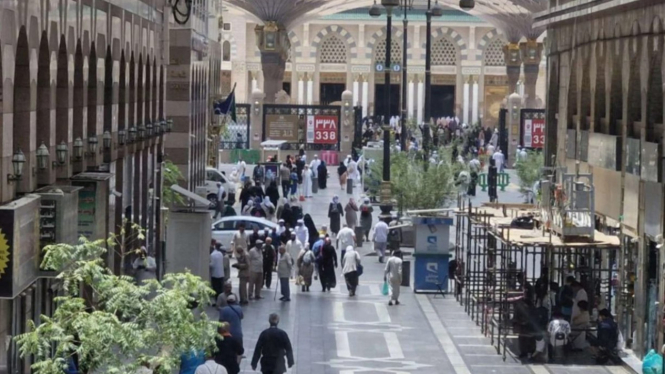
334 333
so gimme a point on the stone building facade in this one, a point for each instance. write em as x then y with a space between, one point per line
82 104
605 117
341 52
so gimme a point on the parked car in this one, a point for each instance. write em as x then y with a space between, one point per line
210 191
223 229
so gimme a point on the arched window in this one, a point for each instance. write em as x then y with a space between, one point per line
395 51
493 55
444 52
333 51
226 51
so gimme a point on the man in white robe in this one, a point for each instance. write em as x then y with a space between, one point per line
498 160
307 182
393 275
314 165
293 247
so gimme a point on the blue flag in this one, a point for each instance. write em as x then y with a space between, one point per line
228 106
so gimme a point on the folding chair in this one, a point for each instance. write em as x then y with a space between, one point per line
440 290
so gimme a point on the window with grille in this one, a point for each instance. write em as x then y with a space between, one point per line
226 51
395 51
333 51
494 53
226 27
444 52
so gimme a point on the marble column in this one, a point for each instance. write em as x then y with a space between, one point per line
474 102
465 103
531 53
410 99
365 97
301 91
421 101
255 83
511 54
356 91
310 91
272 41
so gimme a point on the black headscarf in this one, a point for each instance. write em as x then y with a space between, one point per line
273 193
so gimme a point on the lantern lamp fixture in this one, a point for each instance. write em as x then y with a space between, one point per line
61 151
121 137
18 160
132 134
43 155
78 148
141 132
169 125
106 140
92 146
148 129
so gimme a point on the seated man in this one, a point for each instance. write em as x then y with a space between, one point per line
558 330
579 324
608 335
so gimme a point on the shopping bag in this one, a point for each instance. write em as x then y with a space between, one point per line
652 364
384 289
359 270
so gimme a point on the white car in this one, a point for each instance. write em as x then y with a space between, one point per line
213 176
223 229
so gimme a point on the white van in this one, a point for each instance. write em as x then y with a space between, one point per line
209 190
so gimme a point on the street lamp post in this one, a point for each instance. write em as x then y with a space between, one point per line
407 4
375 11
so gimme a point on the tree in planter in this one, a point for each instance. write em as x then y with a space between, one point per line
109 323
417 184
529 172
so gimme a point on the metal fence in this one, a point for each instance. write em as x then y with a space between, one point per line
236 134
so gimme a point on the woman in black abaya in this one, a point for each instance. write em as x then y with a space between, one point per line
323 175
311 230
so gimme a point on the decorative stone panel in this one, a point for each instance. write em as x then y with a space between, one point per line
339 31
452 36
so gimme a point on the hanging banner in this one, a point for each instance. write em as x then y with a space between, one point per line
533 128
322 129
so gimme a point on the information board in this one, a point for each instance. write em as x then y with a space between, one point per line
534 133
322 129
282 127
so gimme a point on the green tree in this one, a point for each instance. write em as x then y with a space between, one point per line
417 184
112 324
529 171
172 175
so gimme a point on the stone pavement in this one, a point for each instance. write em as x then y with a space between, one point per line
332 333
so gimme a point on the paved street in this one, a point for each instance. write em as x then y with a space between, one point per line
332 333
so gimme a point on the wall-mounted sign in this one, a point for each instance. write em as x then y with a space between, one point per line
282 127
322 129
533 128
6 254
380 67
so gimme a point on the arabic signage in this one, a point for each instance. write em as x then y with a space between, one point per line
533 129
282 127
322 129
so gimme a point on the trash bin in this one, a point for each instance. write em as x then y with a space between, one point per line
360 234
349 186
315 185
406 273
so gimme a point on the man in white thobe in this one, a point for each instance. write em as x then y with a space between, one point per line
498 160
346 237
307 182
393 275
302 233
293 247
314 165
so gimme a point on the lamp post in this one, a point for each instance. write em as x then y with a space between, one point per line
435 11
407 4
375 11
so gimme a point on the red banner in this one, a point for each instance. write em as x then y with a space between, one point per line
322 129
534 133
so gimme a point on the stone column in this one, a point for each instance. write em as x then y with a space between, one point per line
365 96
465 103
421 101
256 119
310 90
410 98
347 127
272 41
532 53
474 102
356 91
513 124
301 90
511 54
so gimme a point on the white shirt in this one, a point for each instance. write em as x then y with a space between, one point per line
302 234
217 264
393 269
381 232
474 165
239 240
293 247
211 367
558 326
581 295
241 167
314 166
346 237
